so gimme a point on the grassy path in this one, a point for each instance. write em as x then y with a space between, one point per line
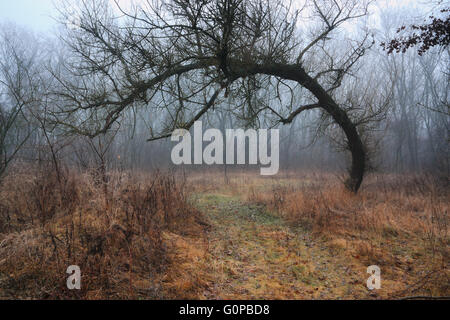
255 255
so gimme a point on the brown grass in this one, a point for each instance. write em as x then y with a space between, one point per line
120 239
142 236
398 222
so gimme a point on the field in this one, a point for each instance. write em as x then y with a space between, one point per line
178 235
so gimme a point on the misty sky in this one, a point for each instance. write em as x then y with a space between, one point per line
35 14
39 15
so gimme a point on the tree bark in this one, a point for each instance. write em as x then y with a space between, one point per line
296 73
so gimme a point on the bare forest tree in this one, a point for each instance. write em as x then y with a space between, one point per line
184 58
418 115
19 92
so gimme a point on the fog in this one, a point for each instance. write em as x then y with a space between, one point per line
224 149
399 102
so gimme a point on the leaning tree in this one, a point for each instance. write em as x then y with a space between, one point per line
181 58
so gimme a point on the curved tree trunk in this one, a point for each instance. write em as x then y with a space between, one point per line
325 101
355 146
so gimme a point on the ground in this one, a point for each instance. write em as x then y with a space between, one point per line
255 255
293 236
252 252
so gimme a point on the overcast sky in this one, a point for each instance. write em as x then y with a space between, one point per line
39 14
35 14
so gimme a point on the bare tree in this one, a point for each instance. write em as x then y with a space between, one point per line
185 57
18 92
418 118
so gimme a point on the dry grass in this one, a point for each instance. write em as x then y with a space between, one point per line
120 240
153 236
398 222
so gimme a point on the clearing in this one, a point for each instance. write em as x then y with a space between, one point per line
252 254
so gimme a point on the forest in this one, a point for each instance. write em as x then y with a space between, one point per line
118 152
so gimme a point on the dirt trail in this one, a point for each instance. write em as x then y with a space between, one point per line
253 254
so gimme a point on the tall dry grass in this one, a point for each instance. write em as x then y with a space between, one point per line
114 233
399 222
